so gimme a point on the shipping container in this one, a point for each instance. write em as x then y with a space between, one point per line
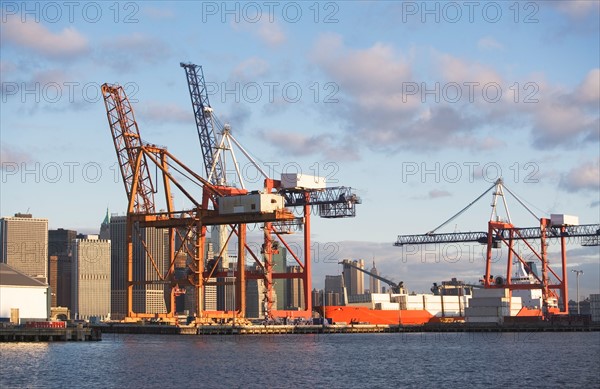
563 220
302 181
251 203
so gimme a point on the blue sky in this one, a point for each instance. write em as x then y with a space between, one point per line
419 106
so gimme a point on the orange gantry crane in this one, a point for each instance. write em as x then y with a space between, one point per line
331 202
186 228
503 233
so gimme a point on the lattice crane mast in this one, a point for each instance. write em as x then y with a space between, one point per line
505 233
205 123
128 143
185 226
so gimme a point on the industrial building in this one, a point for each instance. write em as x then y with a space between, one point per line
91 277
24 245
22 298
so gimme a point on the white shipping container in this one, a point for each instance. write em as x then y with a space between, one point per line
489 302
381 298
387 306
484 319
251 203
491 292
487 311
302 181
559 219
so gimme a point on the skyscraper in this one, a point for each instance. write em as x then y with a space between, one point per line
334 290
105 227
255 297
354 279
91 277
24 245
374 283
52 279
60 243
279 258
294 293
155 247
118 277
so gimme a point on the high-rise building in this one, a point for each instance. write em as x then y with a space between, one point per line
374 283
210 291
60 243
91 277
118 276
294 293
150 247
279 259
105 227
24 245
255 296
353 278
317 297
334 286
226 291
52 279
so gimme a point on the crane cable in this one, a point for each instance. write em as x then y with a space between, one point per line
462 210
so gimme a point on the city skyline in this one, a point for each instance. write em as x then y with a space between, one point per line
418 106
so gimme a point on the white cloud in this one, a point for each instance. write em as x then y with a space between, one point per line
575 8
7 67
158 13
271 33
297 144
588 90
250 69
161 113
489 43
565 118
455 69
12 157
128 52
376 106
583 177
67 44
436 193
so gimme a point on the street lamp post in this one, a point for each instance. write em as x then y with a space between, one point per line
578 272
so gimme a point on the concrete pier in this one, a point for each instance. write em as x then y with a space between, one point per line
20 334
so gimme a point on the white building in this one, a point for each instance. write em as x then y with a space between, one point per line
22 297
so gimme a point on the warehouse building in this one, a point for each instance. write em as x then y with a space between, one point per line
22 298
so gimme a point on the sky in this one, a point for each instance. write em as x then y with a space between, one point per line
418 106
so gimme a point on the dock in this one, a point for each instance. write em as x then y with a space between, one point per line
22 334
164 329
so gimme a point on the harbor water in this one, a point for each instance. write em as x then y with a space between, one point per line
525 359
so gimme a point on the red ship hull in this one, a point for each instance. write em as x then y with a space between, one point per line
349 314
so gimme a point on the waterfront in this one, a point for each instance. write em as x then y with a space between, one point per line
332 360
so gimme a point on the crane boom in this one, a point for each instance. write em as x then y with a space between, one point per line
204 121
396 288
582 231
128 143
333 202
